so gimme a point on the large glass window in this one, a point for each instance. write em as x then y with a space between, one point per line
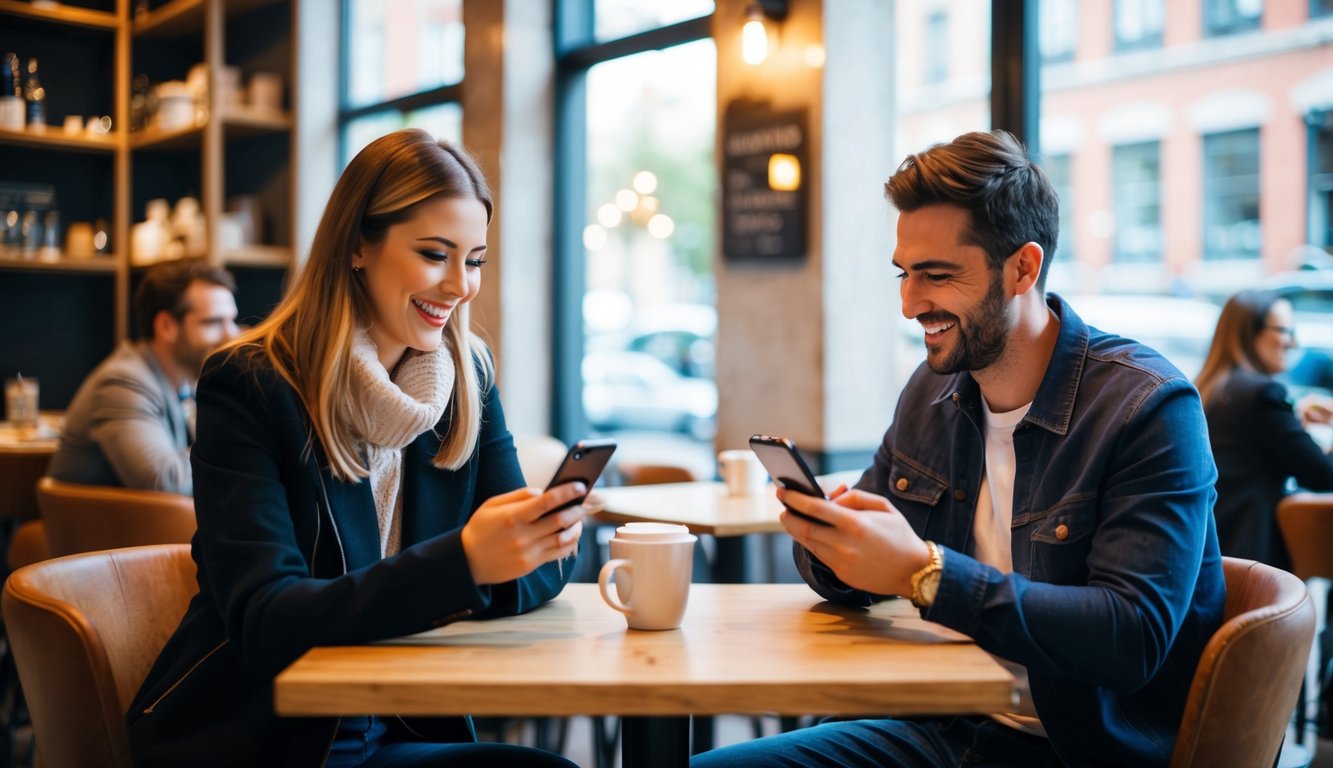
404 68
1136 177
1231 195
1228 17
1057 29
1138 24
937 47
1321 181
1057 169
618 18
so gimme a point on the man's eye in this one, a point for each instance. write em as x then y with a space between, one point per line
937 277
900 276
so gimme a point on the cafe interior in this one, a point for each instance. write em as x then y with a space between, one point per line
690 245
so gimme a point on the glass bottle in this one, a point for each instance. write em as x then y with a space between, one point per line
11 94
35 95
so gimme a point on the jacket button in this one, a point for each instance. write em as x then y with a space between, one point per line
902 484
1061 531
959 494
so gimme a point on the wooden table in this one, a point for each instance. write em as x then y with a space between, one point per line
705 508
744 648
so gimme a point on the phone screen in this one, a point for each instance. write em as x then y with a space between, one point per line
583 463
788 470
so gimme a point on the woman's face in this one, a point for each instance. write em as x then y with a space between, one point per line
1276 337
421 273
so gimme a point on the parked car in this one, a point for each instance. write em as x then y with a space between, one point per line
637 391
680 335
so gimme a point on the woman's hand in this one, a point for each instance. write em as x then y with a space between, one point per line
511 534
1315 409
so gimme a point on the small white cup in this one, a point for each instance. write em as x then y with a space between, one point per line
742 472
651 564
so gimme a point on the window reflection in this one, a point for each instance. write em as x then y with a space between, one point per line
397 48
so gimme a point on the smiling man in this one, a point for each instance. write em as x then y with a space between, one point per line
129 424
1045 488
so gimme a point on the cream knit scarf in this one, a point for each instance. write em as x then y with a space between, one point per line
392 412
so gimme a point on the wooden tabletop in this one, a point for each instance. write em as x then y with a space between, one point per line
705 507
42 438
744 648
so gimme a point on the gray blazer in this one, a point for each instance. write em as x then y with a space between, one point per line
126 427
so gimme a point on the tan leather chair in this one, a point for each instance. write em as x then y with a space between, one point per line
1246 684
1306 522
634 473
86 518
85 630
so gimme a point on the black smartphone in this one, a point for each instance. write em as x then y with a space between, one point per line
784 463
583 463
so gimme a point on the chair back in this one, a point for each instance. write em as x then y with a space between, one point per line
635 473
1245 687
85 630
1306 521
20 469
538 457
86 518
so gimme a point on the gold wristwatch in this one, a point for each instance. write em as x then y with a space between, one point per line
926 582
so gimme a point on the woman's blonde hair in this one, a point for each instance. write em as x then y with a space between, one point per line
1242 320
308 337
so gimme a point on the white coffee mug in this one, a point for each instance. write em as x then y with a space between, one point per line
651 564
742 472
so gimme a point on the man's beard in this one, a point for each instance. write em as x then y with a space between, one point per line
981 340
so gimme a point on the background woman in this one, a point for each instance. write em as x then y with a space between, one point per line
1258 439
354 480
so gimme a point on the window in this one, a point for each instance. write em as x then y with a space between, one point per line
1057 29
937 47
1057 170
404 68
1320 8
1231 195
1136 179
1321 180
1229 17
635 226
1138 24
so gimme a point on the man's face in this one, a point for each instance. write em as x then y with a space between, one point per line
949 288
209 322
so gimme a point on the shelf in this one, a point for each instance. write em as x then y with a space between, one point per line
277 256
60 14
248 122
98 265
189 137
56 138
175 19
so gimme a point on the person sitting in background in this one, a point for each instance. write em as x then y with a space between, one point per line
1258 439
128 425
355 481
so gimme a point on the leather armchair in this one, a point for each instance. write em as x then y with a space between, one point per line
85 630
86 518
1246 684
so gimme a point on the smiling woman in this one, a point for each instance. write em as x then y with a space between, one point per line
368 371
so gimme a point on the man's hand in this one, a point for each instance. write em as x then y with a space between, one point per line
868 544
511 534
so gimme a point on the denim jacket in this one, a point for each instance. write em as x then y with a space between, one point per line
1117 582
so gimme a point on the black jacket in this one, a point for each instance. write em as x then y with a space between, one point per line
288 559
1258 443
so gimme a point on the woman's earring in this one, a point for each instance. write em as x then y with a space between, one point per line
356 269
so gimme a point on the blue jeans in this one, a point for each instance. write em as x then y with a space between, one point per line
919 743
359 744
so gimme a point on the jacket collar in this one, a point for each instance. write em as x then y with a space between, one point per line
1053 406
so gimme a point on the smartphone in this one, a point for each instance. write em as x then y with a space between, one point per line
784 463
583 463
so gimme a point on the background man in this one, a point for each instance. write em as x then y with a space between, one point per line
129 423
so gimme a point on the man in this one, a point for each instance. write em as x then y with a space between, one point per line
1045 488
128 424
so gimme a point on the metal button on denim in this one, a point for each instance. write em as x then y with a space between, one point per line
901 484
1061 531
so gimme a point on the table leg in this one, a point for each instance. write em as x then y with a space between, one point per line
732 560
654 742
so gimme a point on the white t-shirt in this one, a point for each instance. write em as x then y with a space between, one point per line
991 534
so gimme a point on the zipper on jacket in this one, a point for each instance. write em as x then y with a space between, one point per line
181 679
336 536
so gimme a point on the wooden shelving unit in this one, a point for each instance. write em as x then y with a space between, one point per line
235 151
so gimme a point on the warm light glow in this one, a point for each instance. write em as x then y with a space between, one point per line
754 38
608 215
626 199
661 226
645 182
594 237
784 172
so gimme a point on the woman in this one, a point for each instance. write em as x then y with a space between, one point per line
354 480
1258 440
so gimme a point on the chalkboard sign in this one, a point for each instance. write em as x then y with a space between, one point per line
763 182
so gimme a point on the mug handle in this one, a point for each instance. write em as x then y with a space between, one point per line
604 581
